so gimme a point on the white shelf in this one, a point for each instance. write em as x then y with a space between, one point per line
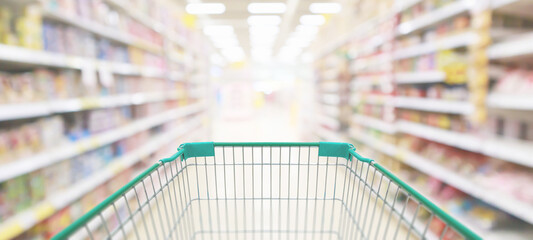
510 150
500 200
434 105
456 180
420 77
454 41
136 14
35 109
374 99
374 79
26 165
34 57
332 122
102 30
459 140
331 111
502 3
386 148
403 5
515 151
517 47
375 123
331 99
433 17
23 221
508 101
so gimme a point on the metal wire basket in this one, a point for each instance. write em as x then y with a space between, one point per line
266 191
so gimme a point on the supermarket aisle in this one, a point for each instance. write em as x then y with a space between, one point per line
271 123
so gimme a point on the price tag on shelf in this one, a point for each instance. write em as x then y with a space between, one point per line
88 75
11 230
116 167
81 147
94 143
106 76
89 103
43 211
401 154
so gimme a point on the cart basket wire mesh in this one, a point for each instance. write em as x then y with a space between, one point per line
266 191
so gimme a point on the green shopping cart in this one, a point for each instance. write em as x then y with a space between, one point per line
266 191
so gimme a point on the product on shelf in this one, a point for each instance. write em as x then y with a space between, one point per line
459 204
435 91
457 123
510 127
423 7
46 85
21 26
494 174
515 81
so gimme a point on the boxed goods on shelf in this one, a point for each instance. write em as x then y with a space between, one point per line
29 138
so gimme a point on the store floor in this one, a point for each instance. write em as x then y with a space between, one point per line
271 123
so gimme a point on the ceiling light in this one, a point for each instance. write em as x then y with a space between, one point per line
262 44
264 20
261 51
225 44
261 54
312 20
264 30
306 30
325 7
299 42
267 7
218 30
205 8
264 41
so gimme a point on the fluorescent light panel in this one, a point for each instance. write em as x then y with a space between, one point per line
218 30
264 20
306 30
312 20
264 30
299 42
205 8
325 8
262 8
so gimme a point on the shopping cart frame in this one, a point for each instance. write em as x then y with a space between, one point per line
325 149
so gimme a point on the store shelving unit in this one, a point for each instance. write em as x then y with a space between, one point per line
332 99
434 105
30 110
67 150
484 58
185 61
420 77
22 56
41 211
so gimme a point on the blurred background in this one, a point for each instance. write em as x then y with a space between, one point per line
94 91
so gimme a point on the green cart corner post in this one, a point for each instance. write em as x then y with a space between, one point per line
214 190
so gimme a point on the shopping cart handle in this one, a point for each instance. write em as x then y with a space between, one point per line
361 158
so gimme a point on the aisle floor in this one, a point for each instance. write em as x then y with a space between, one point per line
268 124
